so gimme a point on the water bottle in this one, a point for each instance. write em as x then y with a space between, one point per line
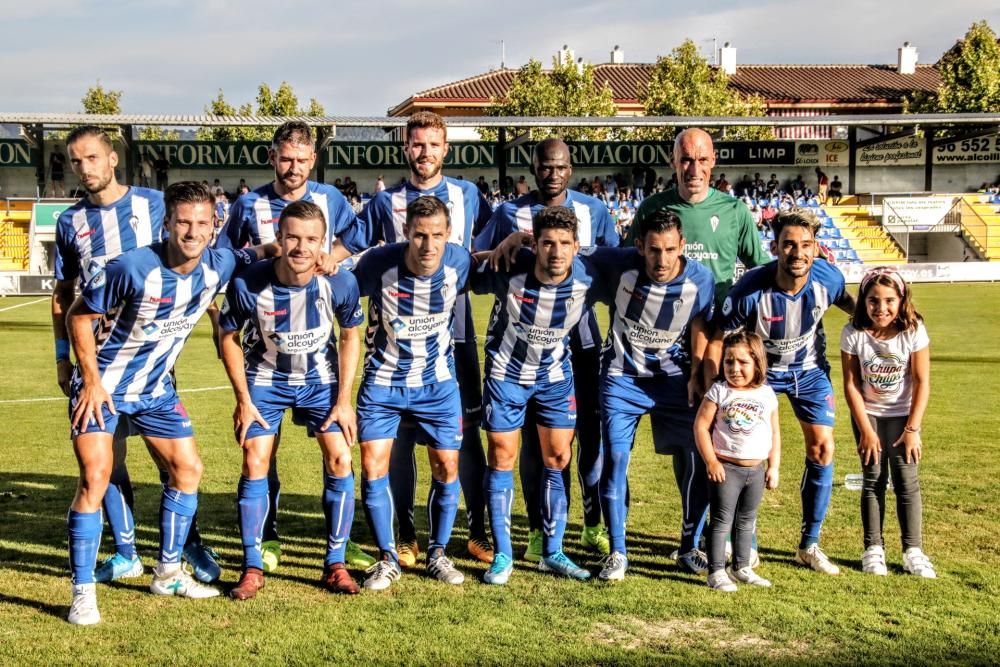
853 481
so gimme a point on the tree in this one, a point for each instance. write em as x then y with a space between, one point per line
284 102
970 77
684 84
566 90
100 101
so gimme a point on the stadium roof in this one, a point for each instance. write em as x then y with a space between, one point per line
779 85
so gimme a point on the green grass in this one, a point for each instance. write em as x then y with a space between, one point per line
655 615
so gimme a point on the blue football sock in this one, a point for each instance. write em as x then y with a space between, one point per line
252 505
84 539
118 510
554 510
500 498
176 510
338 507
614 485
193 534
270 533
379 513
817 487
442 506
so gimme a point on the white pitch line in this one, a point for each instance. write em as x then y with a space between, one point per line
29 303
63 398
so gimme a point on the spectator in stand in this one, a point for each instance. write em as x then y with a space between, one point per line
495 190
610 188
508 187
660 186
522 186
672 183
638 181
350 188
772 185
337 183
722 185
798 187
767 214
758 216
379 184
822 185
836 188
744 187
650 181
597 189
57 172
758 185
244 189
483 186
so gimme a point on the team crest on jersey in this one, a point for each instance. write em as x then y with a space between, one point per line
133 222
224 309
817 313
99 278
569 302
678 304
586 251
714 220
727 305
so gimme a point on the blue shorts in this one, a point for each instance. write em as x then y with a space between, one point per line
504 404
160 417
809 392
663 397
310 406
435 409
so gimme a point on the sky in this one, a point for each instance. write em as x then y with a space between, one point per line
361 58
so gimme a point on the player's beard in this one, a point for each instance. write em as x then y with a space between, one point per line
100 186
432 174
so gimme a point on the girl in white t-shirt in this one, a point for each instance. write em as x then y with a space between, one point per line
737 433
886 360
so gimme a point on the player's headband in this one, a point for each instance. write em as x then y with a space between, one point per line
889 272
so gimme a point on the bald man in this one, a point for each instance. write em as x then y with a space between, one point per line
718 229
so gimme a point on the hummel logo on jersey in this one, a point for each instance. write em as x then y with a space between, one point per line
86 234
776 318
269 221
524 299
635 295
161 299
400 295
399 210
715 222
275 313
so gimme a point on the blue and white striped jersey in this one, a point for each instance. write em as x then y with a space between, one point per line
384 216
594 228
410 318
527 341
89 236
149 311
650 321
790 324
253 218
288 336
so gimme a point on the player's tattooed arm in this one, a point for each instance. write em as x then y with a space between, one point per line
62 299
92 395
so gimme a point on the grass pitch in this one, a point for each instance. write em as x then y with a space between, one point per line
657 615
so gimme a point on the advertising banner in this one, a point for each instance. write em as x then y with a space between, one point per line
967 151
914 214
904 151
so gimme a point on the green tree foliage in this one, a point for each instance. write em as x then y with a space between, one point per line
97 100
970 77
566 90
282 102
684 84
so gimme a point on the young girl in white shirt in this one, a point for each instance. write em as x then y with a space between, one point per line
737 434
886 359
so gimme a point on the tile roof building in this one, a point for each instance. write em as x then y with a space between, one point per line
788 90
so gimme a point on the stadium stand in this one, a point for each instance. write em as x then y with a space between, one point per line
864 239
981 225
15 236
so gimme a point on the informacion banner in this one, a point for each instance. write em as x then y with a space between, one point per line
388 155
915 214
964 151
904 151
16 153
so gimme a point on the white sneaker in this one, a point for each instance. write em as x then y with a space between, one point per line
693 562
916 562
720 581
873 561
174 579
613 567
83 609
746 575
813 557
